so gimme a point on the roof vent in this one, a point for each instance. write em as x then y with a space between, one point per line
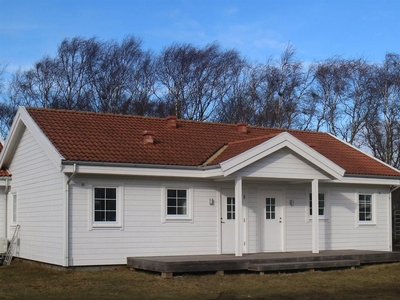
242 127
148 137
171 121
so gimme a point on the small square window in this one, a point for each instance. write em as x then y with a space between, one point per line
105 205
177 202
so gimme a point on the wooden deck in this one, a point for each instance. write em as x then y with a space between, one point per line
260 262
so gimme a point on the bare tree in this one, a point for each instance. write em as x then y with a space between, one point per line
277 89
382 131
194 80
123 77
75 62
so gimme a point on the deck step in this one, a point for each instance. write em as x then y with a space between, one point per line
303 265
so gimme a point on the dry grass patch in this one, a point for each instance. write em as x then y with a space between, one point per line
30 281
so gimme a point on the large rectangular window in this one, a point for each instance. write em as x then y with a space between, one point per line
321 204
105 204
176 202
365 208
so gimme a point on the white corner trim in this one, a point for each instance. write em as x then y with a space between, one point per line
278 142
21 121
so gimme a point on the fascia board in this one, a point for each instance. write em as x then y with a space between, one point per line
23 120
132 171
363 180
282 140
12 140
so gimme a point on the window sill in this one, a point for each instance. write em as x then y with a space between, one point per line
182 219
106 226
366 224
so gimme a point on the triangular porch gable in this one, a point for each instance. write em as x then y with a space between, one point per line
283 140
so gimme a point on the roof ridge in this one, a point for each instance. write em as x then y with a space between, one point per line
207 123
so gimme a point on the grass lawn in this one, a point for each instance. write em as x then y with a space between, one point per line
32 281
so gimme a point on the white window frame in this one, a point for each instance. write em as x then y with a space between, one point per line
14 209
320 217
373 209
119 207
188 217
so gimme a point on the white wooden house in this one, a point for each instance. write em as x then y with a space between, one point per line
93 189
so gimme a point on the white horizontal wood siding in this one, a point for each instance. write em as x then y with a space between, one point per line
3 218
39 188
253 221
283 163
339 229
143 233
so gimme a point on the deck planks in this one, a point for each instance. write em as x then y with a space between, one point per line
265 261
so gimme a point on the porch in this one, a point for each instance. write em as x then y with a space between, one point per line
260 262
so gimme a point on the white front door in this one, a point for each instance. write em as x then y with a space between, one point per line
271 220
228 222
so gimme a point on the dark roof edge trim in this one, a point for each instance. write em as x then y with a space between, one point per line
135 165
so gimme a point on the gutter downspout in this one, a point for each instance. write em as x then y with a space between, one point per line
66 218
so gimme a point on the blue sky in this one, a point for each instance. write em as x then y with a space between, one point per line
257 29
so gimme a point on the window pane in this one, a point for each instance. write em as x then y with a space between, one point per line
182 193
171 210
171 193
111 205
181 202
273 216
100 193
181 210
99 216
268 216
273 201
111 193
111 216
171 202
99 205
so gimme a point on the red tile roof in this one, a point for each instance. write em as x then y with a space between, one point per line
95 137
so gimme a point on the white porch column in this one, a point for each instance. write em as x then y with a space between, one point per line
238 216
315 218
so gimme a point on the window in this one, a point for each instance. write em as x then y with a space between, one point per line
105 204
14 208
270 208
365 208
321 204
230 208
176 202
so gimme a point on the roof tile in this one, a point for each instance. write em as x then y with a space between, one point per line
96 137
